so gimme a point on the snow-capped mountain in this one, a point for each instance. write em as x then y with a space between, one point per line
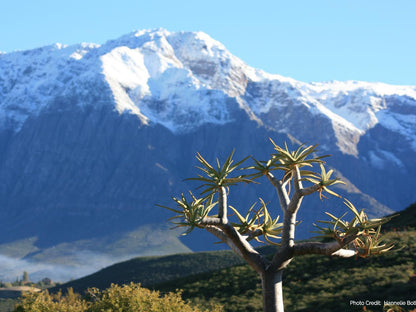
92 136
165 78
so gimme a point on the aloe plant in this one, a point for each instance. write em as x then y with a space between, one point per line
358 236
366 232
324 180
220 176
191 214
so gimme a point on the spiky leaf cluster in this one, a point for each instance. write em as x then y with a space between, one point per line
190 213
258 222
324 180
284 159
365 231
361 232
300 157
215 178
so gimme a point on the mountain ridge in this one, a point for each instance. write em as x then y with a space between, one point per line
151 63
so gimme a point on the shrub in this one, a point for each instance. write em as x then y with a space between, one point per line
134 298
126 298
46 302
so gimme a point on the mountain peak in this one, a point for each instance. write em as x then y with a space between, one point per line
185 79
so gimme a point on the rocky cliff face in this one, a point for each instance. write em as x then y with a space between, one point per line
92 137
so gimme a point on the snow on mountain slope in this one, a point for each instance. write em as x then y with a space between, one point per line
366 104
31 80
183 80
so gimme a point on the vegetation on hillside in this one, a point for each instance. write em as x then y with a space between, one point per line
320 283
153 270
7 305
405 220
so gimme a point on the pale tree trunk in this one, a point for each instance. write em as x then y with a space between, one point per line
271 283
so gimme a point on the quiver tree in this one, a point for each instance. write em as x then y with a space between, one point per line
285 170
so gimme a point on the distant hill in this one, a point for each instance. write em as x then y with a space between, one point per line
405 219
153 270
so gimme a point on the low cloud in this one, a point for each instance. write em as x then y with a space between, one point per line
88 262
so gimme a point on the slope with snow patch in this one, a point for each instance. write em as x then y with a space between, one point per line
183 80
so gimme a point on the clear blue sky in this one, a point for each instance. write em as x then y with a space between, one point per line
308 40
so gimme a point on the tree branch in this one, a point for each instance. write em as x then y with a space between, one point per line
297 183
210 221
222 205
288 231
220 227
253 234
344 253
281 258
330 249
311 189
297 196
229 235
281 191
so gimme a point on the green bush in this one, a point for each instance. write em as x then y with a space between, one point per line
126 298
46 302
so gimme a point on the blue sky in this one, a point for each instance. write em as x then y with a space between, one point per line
307 40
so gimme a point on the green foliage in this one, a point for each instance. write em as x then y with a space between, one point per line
313 283
289 159
284 159
46 302
133 298
406 219
237 288
261 223
191 213
7 305
361 232
219 177
366 232
324 180
126 298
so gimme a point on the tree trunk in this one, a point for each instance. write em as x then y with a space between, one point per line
271 283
